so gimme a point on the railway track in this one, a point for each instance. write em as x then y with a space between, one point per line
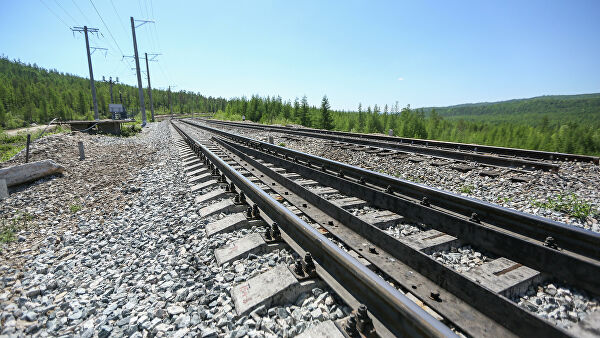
328 197
512 158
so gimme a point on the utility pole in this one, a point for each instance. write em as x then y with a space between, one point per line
85 30
137 67
170 105
150 87
111 82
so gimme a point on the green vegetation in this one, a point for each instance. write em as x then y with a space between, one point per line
12 144
10 227
467 189
569 124
130 129
568 204
282 144
74 208
29 93
541 131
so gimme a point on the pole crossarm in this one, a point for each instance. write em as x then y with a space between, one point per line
142 22
153 58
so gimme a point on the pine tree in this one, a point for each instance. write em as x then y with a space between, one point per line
326 119
304 118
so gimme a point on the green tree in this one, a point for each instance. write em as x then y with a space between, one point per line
326 119
304 112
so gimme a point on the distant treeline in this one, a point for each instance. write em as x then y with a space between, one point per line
548 132
568 124
582 109
29 94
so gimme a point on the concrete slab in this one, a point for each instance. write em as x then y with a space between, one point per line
324 190
326 329
306 183
431 240
277 286
504 276
462 167
202 186
381 219
205 177
194 167
225 206
251 244
201 170
349 203
213 195
192 162
225 224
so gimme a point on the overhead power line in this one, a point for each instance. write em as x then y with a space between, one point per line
56 15
80 11
106 26
67 13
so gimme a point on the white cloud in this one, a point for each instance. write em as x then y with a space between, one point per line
400 79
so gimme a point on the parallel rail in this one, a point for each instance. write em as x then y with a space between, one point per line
503 231
402 316
490 155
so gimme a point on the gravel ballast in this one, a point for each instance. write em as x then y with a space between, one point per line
131 257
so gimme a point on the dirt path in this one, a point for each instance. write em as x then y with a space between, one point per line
28 130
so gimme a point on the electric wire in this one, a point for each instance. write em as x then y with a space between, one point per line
67 13
56 15
80 11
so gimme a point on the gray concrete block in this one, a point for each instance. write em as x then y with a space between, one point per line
225 206
197 179
323 191
191 162
381 219
229 223
326 329
504 276
349 203
194 167
251 244
200 171
430 241
277 286
202 186
213 195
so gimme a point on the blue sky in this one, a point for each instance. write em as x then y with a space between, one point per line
422 53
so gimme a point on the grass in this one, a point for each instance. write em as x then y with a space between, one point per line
75 208
467 189
10 145
282 144
130 129
568 204
10 227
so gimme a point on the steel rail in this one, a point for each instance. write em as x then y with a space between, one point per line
476 148
574 239
475 309
500 239
401 315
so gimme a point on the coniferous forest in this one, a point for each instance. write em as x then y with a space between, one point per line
29 94
568 124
